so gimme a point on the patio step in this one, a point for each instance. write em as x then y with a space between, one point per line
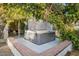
5 51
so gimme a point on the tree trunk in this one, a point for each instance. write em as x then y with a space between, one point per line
19 28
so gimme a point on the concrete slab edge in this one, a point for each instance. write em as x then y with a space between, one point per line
67 49
13 49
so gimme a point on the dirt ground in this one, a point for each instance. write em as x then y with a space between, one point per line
5 50
2 44
73 53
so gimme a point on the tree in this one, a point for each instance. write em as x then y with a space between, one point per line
15 12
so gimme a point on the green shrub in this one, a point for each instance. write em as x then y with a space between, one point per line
72 36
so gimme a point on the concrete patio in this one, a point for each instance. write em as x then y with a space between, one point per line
22 47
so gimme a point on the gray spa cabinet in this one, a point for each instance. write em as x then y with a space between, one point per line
40 37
